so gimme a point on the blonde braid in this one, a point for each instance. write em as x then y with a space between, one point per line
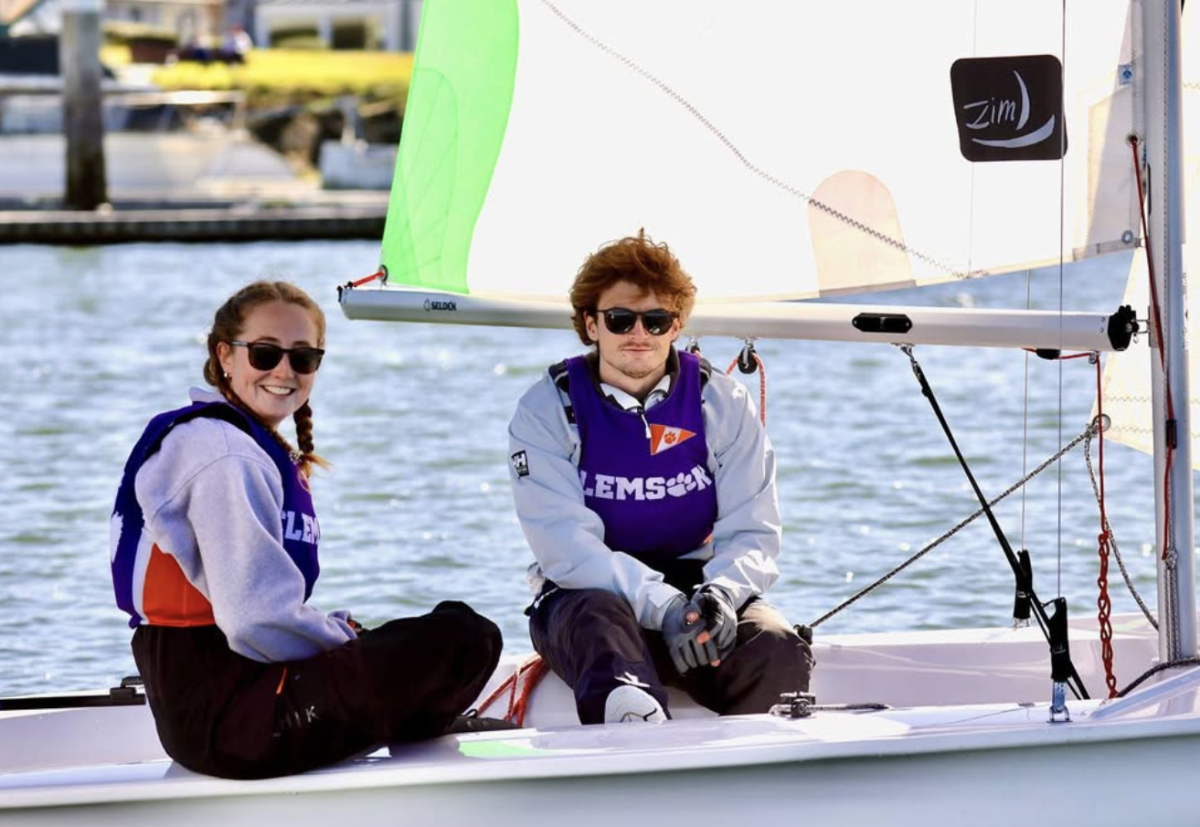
304 436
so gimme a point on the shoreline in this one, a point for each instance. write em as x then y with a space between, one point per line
191 221
177 186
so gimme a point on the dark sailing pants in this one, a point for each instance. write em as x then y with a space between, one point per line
591 639
223 714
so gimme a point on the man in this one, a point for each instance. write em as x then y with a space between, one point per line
645 485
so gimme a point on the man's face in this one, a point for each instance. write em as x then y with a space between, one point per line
633 361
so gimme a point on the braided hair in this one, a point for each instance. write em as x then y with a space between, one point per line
228 324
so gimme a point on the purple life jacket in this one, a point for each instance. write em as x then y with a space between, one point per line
147 581
654 493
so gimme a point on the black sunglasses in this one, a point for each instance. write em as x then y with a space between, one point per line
621 320
265 356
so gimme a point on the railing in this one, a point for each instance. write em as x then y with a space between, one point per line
190 105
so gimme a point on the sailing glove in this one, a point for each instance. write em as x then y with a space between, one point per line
681 635
719 617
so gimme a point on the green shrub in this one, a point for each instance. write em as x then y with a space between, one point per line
272 77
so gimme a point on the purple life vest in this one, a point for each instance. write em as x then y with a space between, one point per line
147 582
654 493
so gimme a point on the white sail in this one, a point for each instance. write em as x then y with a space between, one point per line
1126 385
782 153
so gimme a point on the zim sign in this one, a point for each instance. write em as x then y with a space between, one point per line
1009 108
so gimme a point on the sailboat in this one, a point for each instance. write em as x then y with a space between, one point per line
788 152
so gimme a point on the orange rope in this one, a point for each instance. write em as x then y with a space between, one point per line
1103 603
762 385
1162 353
534 669
378 274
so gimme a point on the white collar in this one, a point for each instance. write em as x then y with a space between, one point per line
630 403
203 395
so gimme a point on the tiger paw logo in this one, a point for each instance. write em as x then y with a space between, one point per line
663 437
680 484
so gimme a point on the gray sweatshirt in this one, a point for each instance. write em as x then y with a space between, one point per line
212 499
567 537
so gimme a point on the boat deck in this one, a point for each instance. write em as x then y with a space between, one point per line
56 764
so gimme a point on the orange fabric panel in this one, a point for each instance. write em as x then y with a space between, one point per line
168 599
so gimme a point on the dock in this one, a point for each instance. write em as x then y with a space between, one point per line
179 186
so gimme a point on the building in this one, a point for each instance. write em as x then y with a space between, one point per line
373 25
386 25
188 20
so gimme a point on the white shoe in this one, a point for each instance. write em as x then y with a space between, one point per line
628 703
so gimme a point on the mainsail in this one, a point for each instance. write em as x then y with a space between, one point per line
1126 384
1126 392
783 153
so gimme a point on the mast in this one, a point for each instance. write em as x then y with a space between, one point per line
1174 518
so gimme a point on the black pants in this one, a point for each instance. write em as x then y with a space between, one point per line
591 639
223 714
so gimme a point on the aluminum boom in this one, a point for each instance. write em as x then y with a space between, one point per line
1049 330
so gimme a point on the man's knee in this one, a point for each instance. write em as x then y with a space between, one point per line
766 638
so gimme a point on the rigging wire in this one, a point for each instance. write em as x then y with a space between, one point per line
1062 200
1025 416
1105 539
1112 539
1019 484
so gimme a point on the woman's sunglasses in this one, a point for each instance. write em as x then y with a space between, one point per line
265 356
621 320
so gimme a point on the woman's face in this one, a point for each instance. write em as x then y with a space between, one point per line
277 393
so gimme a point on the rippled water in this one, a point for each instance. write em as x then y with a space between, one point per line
413 417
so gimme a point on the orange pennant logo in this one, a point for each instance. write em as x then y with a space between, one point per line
663 437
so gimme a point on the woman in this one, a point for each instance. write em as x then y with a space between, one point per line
215 555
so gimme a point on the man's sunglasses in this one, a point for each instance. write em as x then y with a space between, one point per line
265 356
621 320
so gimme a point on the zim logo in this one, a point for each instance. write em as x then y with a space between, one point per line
440 305
1009 108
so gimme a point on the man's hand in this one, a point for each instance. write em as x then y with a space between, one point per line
720 618
687 640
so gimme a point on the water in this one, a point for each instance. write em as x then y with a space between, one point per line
417 507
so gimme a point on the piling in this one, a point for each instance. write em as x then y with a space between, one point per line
83 114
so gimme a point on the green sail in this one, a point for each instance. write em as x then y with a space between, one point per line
458 107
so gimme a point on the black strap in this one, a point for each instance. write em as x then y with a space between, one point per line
562 380
216 410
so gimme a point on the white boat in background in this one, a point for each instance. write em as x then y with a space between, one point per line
785 151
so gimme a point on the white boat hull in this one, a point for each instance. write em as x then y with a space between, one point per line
962 754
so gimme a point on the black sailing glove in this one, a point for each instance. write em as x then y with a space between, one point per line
719 617
681 629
